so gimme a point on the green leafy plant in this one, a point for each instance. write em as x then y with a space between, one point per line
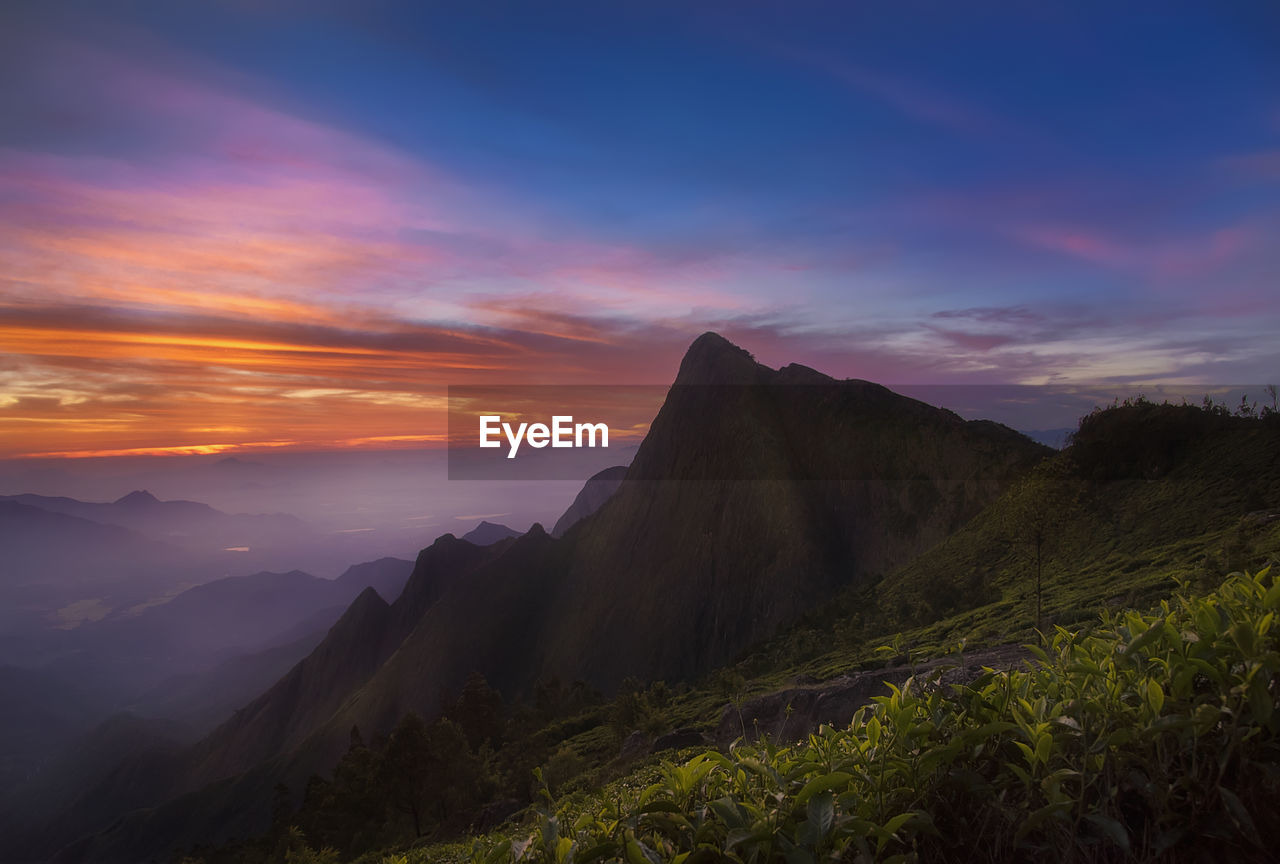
1149 737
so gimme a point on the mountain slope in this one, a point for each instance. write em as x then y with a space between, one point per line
357 645
598 489
1145 492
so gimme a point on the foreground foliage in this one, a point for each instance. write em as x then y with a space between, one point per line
1148 737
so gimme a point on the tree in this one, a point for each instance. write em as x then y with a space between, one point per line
1034 518
407 769
429 772
479 712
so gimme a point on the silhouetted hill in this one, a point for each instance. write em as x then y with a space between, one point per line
354 647
487 533
598 489
131 655
1146 491
387 576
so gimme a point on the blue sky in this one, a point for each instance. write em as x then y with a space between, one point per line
274 211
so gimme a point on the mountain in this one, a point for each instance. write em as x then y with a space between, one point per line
756 494
1144 493
599 488
356 646
123 739
202 699
186 523
131 655
235 612
43 546
282 716
38 715
387 576
68 561
244 612
487 533
60 569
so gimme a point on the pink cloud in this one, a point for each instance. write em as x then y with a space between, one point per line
1260 165
1077 243
253 206
1194 255
926 107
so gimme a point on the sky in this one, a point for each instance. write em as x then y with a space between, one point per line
246 226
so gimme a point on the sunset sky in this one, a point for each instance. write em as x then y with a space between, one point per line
231 226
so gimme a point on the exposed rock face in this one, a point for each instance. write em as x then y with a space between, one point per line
791 714
679 739
634 746
756 493
599 488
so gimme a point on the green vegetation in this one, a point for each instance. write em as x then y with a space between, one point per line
1152 735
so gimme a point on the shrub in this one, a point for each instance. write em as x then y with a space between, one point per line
1150 737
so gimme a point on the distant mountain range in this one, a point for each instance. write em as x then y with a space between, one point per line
183 523
69 561
193 660
127 655
44 548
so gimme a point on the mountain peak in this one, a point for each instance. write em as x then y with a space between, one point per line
367 602
138 498
713 359
487 533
